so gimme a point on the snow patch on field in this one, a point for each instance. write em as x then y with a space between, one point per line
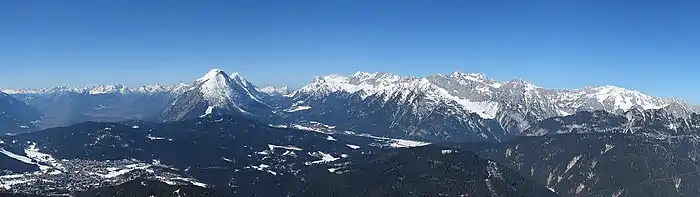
297 108
263 168
394 143
17 157
207 112
447 151
278 126
45 161
305 128
191 181
325 157
272 147
180 181
150 137
115 173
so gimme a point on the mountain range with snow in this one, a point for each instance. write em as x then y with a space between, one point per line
101 89
450 99
455 107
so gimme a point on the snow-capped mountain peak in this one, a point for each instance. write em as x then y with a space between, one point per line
625 99
213 74
359 74
377 76
151 88
216 87
271 90
473 78
179 88
220 94
108 89
521 83
369 83
218 79
469 76
328 83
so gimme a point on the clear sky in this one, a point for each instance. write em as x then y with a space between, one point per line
653 47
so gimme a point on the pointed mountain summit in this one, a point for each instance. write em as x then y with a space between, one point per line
218 93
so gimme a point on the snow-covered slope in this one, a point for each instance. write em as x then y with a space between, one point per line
217 93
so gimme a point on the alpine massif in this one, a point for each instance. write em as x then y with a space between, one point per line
367 134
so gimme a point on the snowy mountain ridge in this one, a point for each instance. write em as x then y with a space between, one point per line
100 89
482 94
391 86
516 104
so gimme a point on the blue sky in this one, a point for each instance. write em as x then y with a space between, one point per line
653 47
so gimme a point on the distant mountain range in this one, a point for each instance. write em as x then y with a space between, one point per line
100 89
453 107
62 106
